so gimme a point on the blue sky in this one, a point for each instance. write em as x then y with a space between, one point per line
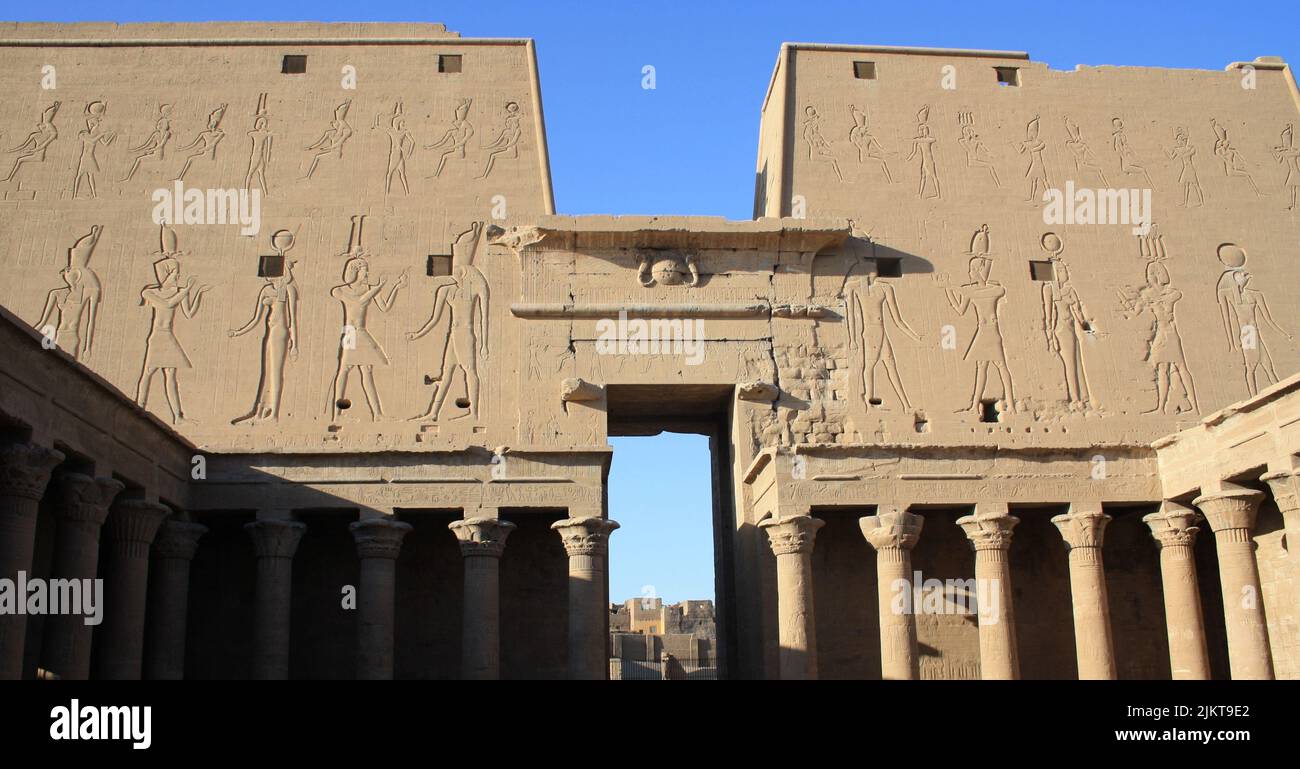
689 146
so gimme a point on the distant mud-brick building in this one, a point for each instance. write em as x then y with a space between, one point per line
1000 381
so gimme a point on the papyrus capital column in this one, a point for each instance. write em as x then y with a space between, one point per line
1284 482
1231 515
893 532
379 543
274 543
989 531
173 550
129 532
24 473
792 538
482 540
81 505
586 541
1175 531
1084 529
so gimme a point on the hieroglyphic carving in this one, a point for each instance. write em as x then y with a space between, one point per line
163 351
1065 322
32 149
154 145
818 146
1036 171
506 142
77 302
332 140
91 137
868 145
206 142
277 311
357 348
259 153
986 346
923 146
1185 154
464 296
455 138
1242 309
1128 161
400 147
1083 155
1164 344
1233 163
869 300
1288 155
976 153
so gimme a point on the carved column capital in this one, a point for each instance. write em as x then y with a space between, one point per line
1285 485
275 538
892 528
791 533
1174 525
1083 526
585 536
988 532
178 540
379 537
25 469
481 535
133 524
1234 508
84 499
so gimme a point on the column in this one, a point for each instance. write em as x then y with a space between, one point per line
1173 528
1231 515
1083 529
482 540
173 549
893 533
379 542
24 472
989 531
81 504
274 543
792 538
1283 480
586 541
129 531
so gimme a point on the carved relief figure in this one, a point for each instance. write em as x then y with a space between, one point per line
1233 163
463 296
1128 163
357 348
154 145
923 145
1036 171
976 153
163 351
331 142
1289 156
1164 344
1082 153
506 143
400 147
1185 154
869 301
206 142
76 302
37 142
1242 309
259 154
455 138
91 137
276 310
818 147
1065 322
860 136
986 346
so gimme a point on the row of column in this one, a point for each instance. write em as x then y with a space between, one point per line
1230 512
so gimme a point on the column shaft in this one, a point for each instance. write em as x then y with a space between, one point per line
1231 514
482 542
24 473
379 543
130 530
990 536
893 533
1184 621
586 541
274 542
1084 529
792 538
174 549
